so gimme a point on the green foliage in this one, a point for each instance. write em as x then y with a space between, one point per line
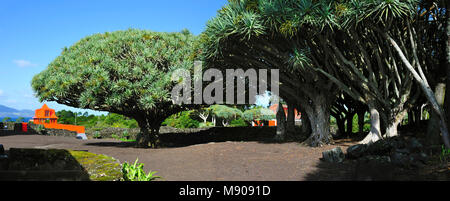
40 128
96 135
181 120
225 112
125 72
258 113
115 136
291 18
117 70
136 172
6 119
205 125
66 117
19 120
125 134
96 122
355 125
445 154
240 122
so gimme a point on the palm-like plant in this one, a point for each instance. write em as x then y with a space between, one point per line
358 46
124 72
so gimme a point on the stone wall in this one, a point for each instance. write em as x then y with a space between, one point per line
38 129
9 125
110 131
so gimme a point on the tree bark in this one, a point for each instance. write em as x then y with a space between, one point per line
281 123
341 126
425 88
447 91
148 135
361 114
375 130
433 132
319 116
391 130
349 120
411 117
306 123
447 97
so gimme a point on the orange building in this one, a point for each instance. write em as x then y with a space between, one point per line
47 117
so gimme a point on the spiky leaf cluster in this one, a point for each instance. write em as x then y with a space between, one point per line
124 72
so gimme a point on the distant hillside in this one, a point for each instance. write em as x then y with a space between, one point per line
13 113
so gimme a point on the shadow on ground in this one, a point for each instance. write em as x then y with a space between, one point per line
351 170
375 170
215 134
11 132
41 165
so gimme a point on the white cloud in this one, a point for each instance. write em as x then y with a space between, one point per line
24 63
1 92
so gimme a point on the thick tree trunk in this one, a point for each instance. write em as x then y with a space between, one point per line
411 117
306 123
290 119
341 126
447 93
148 135
349 120
319 116
375 130
281 123
391 130
361 122
421 80
433 130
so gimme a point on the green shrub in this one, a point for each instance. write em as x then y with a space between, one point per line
238 123
136 172
445 154
6 119
125 134
40 129
182 120
207 124
96 135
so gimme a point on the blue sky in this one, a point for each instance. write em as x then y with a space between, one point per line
33 33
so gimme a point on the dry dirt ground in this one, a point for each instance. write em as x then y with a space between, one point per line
230 161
